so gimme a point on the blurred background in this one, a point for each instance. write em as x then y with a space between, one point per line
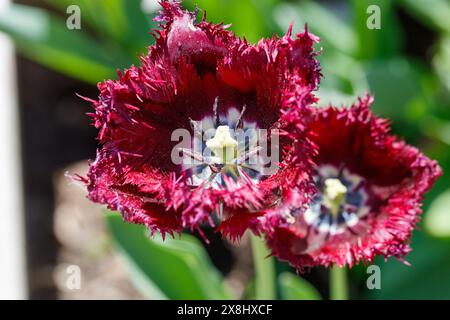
47 225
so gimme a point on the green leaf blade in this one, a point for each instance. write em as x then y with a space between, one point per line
173 268
45 39
293 287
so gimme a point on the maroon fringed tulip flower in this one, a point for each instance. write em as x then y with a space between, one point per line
201 79
369 186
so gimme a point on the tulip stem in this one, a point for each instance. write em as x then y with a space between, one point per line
338 283
264 269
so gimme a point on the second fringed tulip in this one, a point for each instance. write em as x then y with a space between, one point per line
370 186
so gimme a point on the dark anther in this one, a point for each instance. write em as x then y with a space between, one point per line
215 111
240 122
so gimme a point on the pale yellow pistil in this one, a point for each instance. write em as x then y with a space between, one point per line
333 195
223 145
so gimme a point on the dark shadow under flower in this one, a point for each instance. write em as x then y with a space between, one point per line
200 76
370 186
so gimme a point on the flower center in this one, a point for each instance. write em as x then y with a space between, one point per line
334 195
341 202
223 145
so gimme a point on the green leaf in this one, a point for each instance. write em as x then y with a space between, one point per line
247 17
87 8
335 33
441 61
121 21
344 79
395 82
45 39
426 278
437 219
125 22
293 287
173 268
437 129
385 42
434 13
398 88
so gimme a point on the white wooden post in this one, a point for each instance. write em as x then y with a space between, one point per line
12 244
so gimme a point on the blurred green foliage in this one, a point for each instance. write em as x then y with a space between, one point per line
293 287
169 269
411 89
